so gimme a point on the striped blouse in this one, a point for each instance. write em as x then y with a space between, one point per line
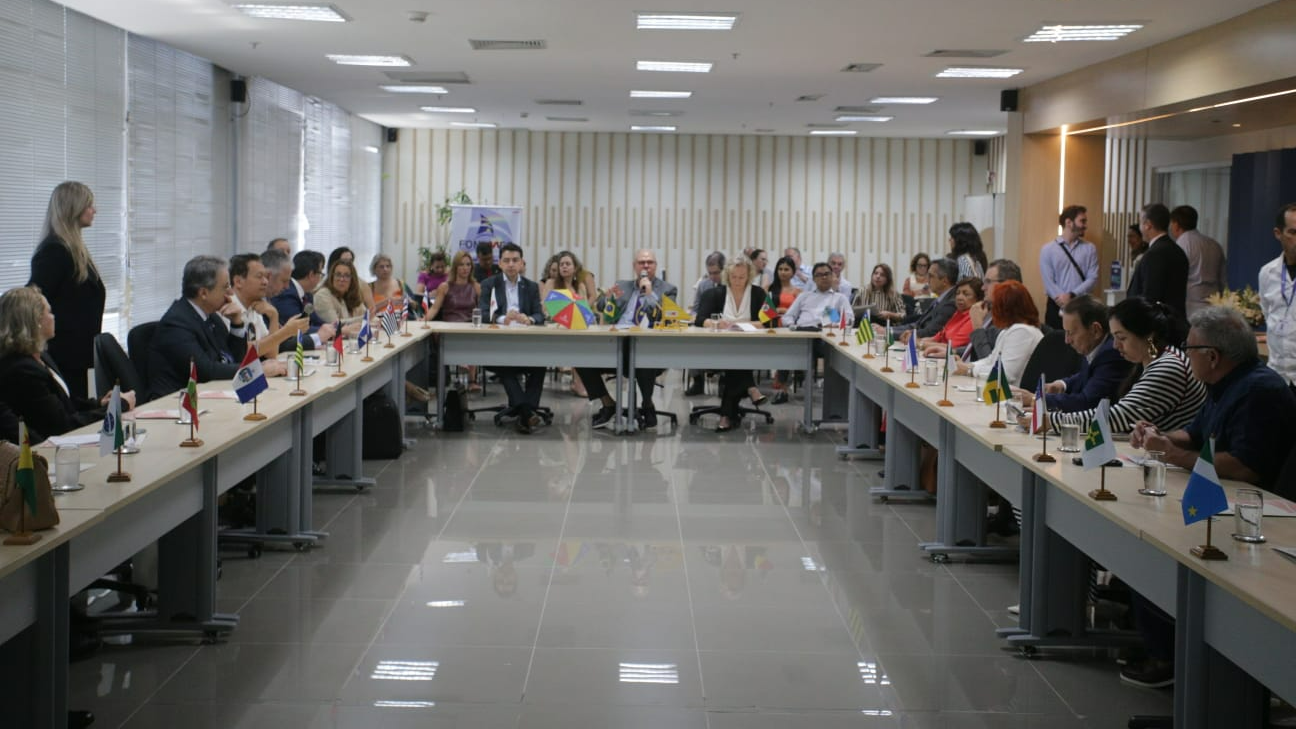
1166 395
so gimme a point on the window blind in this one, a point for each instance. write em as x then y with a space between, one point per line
269 141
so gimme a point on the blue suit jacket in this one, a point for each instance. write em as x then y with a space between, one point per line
288 304
182 335
1095 380
528 299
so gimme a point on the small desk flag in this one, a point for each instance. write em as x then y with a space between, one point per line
1204 496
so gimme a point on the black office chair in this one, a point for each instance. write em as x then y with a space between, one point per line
112 366
1053 358
698 411
504 411
138 342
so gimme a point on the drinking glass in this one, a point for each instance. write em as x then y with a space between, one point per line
715 322
67 468
476 319
1248 508
1154 474
931 372
879 346
1070 438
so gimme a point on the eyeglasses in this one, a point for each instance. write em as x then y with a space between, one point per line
822 274
992 280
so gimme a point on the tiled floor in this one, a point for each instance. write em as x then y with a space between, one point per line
574 578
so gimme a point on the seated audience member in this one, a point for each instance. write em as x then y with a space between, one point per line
915 284
631 298
958 330
307 272
715 265
802 277
571 276
249 283
342 253
1160 387
784 290
1017 318
278 273
434 275
760 259
385 286
550 270
880 296
510 299
1085 321
837 262
737 300
941 277
984 331
193 329
30 383
485 266
282 245
455 299
815 307
339 300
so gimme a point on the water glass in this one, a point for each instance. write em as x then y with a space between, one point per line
330 355
476 318
879 346
1154 474
931 372
67 468
715 321
1070 438
1248 508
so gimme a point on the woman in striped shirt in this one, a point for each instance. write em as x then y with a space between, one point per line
1161 388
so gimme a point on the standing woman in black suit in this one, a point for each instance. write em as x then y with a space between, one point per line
738 300
65 273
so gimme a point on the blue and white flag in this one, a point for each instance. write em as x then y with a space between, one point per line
911 354
1204 497
110 435
250 379
365 334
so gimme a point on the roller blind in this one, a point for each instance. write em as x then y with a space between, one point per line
269 165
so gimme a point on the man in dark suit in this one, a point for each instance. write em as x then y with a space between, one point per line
1085 321
307 271
1162 274
941 276
192 330
509 299
632 299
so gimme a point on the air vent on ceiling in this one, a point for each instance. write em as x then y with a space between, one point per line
566 119
861 67
506 45
763 131
653 112
857 110
816 125
964 53
559 102
810 97
429 77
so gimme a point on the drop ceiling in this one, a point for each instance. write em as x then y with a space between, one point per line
777 53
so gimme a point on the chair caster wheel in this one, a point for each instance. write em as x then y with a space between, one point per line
1028 651
254 551
940 558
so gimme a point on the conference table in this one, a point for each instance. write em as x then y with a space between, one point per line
171 499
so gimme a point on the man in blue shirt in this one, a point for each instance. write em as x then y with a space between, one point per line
1068 265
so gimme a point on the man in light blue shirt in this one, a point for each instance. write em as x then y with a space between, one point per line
1068 264
812 308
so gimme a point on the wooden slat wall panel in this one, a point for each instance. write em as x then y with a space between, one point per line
1127 190
603 195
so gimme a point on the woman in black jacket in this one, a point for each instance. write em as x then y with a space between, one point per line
739 300
30 382
64 271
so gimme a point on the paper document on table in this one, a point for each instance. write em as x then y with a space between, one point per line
1273 506
743 326
173 414
74 440
216 395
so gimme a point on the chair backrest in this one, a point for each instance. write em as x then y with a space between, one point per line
1285 486
1053 357
139 341
911 306
111 365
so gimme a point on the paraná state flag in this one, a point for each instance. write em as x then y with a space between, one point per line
190 402
249 379
110 435
1204 497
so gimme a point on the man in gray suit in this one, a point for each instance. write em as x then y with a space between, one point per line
1206 274
632 301
942 276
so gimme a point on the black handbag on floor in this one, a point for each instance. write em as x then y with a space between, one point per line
454 411
381 436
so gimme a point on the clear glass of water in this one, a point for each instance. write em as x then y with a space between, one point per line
1070 438
67 468
476 318
1154 473
715 322
1248 509
931 372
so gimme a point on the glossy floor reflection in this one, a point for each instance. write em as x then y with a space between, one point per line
577 578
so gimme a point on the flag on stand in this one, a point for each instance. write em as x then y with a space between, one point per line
337 342
365 334
864 332
26 474
389 324
1039 410
490 313
768 312
890 339
249 380
299 356
190 402
1204 497
911 354
842 322
110 435
996 387
1098 446
427 301
670 311
404 314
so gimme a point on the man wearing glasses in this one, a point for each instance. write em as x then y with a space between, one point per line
984 332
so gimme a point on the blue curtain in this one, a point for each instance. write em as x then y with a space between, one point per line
1259 184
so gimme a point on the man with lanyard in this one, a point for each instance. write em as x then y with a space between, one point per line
1277 292
1069 266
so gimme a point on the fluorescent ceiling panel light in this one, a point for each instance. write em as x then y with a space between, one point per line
660 673
651 128
903 99
832 132
413 89
685 21
371 149
857 118
344 59
674 66
661 94
445 603
449 109
405 671
473 125
973 133
1057 32
978 72
394 704
292 11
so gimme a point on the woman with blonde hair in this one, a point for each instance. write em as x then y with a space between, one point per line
572 276
456 299
385 286
63 269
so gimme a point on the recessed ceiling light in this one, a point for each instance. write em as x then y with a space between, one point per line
1057 32
655 113
973 133
674 66
449 109
857 118
903 99
685 21
412 89
651 128
292 11
832 132
661 94
474 125
343 59
371 149
978 72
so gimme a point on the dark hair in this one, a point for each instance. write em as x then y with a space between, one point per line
1280 223
437 256
967 241
1008 270
1184 216
351 297
716 259
1156 214
1070 212
1134 228
304 264
947 267
913 262
270 245
239 264
890 284
1150 319
486 246
511 248
1012 304
1090 311
776 286
974 283
755 253
336 256
815 268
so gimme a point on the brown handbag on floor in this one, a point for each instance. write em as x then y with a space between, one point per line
12 508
